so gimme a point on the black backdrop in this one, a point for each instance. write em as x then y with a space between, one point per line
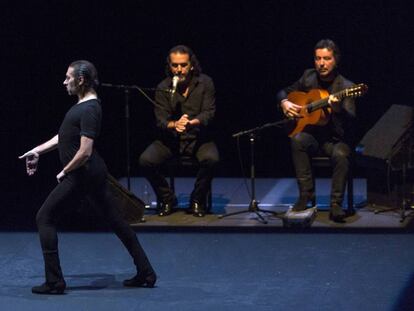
250 48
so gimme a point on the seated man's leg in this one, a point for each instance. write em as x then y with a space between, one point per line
340 158
302 145
208 156
150 161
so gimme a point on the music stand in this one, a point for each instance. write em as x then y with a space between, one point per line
406 149
405 143
254 204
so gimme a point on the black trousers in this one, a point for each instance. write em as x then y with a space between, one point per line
305 145
73 186
158 152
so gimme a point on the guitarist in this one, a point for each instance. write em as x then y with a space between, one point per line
333 139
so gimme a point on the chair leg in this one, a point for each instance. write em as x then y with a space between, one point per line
350 189
314 187
209 204
172 183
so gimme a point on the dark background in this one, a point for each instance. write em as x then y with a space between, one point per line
250 48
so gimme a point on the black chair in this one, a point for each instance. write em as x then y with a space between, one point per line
323 161
190 166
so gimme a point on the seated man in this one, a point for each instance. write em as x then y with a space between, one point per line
335 138
183 117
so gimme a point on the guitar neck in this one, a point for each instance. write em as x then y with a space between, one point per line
322 103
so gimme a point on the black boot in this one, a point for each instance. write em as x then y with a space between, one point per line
46 288
197 209
336 213
141 280
55 284
146 276
302 203
166 208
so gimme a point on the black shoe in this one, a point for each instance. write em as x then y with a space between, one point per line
197 209
46 288
302 202
141 280
166 208
336 213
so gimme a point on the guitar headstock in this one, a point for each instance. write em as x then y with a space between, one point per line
356 90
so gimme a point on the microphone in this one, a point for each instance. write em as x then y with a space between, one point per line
174 84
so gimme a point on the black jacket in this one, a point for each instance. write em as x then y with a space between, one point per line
341 125
199 104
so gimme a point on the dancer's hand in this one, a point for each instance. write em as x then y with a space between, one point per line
32 160
60 176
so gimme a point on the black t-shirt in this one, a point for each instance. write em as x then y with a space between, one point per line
83 119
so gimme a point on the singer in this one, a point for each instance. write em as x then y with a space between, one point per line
335 139
84 174
183 119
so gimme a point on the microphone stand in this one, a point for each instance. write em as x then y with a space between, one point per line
254 204
127 89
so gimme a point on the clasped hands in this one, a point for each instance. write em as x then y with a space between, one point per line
182 124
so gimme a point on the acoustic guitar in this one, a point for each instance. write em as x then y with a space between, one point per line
315 107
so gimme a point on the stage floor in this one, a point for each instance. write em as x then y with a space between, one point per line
233 195
217 271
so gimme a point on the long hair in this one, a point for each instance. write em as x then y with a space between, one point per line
87 70
183 49
330 45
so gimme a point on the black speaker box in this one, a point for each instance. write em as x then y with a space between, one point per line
383 143
131 207
383 151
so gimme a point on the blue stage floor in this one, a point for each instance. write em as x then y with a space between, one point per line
217 271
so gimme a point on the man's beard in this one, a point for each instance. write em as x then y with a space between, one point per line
182 86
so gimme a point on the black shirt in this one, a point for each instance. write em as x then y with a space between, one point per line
83 119
199 104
